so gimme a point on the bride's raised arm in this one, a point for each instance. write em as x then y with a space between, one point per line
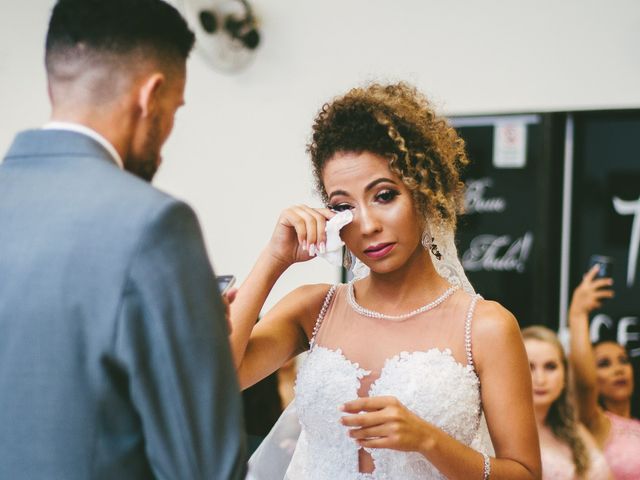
261 348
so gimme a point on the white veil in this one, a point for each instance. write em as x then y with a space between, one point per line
272 458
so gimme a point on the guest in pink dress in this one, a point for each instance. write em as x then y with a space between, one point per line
604 382
568 450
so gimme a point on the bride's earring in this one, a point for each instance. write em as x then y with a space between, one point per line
429 244
347 258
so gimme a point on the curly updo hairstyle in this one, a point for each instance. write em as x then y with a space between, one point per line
398 123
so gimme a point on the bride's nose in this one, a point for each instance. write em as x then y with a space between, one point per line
368 220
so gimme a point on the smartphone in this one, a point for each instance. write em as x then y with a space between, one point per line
225 282
605 264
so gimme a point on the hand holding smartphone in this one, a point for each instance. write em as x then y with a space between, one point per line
605 265
225 282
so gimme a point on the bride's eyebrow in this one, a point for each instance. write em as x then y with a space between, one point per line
338 192
366 189
377 181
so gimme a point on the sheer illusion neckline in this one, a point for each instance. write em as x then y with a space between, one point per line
404 355
353 303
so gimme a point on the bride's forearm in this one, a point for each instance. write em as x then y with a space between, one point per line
249 301
458 461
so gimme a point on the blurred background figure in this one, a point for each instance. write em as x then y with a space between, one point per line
262 407
264 402
567 449
604 382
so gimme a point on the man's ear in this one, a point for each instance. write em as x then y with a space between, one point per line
148 93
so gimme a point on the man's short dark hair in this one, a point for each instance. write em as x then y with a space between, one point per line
118 27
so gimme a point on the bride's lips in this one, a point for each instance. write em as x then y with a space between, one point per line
379 250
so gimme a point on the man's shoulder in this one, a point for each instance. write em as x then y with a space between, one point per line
133 199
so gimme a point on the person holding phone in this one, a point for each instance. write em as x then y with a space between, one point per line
403 361
604 381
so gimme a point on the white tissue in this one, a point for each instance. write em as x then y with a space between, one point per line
333 246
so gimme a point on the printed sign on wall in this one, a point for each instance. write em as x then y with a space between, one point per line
606 221
497 235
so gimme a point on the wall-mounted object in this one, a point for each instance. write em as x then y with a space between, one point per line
226 32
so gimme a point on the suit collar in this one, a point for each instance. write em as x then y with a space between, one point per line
52 143
77 127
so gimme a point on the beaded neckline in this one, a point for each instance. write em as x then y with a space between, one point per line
396 318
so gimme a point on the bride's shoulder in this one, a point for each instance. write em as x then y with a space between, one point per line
309 298
491 319
496 336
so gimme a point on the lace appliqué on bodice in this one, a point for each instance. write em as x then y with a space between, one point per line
430 383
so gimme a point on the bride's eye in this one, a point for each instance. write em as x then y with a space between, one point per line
341 207
386 196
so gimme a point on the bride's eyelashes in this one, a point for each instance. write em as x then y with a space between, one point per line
385 196
340 207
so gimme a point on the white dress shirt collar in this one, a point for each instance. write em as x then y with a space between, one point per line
76 127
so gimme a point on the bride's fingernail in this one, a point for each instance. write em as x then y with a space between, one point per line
304 245
323 248
312 250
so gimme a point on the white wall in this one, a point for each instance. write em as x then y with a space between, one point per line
237 152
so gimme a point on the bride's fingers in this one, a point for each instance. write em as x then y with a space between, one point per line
326 212
381 442
311 226
316 220
370 404
369 432
292 219
321 222
364 420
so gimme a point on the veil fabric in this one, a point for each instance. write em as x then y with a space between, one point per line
272 458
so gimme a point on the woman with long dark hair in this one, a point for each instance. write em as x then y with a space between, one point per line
604 382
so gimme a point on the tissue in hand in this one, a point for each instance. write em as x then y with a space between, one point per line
333 247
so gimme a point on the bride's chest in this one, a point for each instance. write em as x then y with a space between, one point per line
431 383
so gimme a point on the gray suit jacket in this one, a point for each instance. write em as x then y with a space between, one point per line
114 354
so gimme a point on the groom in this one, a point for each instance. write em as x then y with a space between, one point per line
114 356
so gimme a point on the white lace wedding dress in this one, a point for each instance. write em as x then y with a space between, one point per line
425 361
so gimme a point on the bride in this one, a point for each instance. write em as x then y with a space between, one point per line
404 361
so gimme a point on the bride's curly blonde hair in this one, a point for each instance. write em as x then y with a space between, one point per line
396 122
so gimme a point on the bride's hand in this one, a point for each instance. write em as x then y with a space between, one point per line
384 422
299 234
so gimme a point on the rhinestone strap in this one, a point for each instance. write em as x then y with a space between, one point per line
487 467
372 314
467 330
323 312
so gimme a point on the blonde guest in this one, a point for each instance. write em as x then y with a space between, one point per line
568 450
